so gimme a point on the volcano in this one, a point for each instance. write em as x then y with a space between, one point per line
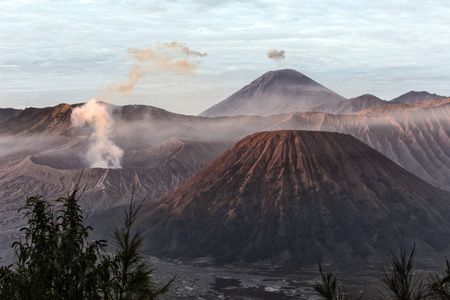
297 196
275 92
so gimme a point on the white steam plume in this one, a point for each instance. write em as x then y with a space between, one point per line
276 55
102 152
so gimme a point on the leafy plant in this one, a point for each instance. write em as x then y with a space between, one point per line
439 284
6 279
331 287
399 280
56 261
132 274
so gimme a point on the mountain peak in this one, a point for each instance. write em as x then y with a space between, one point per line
281 91
366 97
287 76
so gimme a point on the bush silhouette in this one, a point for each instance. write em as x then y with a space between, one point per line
54 260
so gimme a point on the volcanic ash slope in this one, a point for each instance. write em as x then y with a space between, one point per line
298 196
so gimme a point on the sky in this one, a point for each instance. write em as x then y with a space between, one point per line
67 51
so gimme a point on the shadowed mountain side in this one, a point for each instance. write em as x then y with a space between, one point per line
8 113
39 120
281 91
103 188
417 136
295 195
152 172
415 97
352 105
53 174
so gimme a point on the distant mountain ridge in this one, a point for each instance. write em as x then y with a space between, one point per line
275 92
39 120
301 196
416 136
351 105
286 91
8 113
415 97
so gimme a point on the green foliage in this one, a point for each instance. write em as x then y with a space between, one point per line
6 280
132 275
439 284
331 288
56 261
399 280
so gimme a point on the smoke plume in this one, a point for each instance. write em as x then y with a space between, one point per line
102 152
276 55
174 57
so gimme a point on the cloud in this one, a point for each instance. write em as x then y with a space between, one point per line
65 62
173 57
184 49
275 54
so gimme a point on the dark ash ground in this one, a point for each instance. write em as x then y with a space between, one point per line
200 279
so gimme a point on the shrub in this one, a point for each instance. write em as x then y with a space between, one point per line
56 261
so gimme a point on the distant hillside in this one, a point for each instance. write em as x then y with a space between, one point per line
415 97
351 105
416 136
8 113
275 92
39 120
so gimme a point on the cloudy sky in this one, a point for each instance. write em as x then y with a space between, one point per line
72 51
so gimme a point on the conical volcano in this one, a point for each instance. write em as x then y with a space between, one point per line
275 92
298 195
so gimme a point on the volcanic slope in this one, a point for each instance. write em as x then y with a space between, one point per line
297 196
8 113
275 92
39 120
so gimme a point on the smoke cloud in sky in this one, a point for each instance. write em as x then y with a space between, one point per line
102 152
276 55
173 57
